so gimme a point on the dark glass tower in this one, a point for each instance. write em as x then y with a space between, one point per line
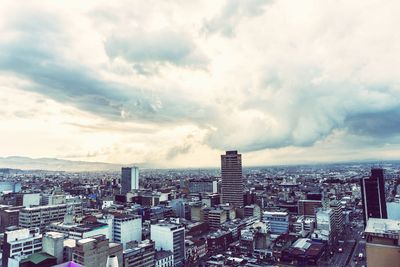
373 195
232 179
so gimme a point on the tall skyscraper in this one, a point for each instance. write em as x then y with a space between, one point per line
232 180
373 195
129 179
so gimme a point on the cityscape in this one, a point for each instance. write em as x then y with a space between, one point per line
306 215
203 133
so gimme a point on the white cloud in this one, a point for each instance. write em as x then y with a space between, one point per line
172 82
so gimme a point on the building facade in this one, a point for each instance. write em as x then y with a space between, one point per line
42 216
20 242
373 195
91 252
278 221
232 179
142 254
383 242
170 237
129 179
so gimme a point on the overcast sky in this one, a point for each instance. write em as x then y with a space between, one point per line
175 83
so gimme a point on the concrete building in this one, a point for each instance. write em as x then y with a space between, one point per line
31 199
211 200
123 228
252 211
20 241
338 218
373 195
57 198
141 254
383 242
44 215
278 221
164 258
325 225
9 216
304 224
91 252
170 237
216 217
232 179
308 207
203 185
129 179
53 244
80 231
196 214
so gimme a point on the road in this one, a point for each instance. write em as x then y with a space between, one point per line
360 248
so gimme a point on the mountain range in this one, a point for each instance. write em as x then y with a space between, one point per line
54 164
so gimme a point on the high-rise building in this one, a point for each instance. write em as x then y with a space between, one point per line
170 237
383 242
20 242
373 195
338 218
232 180
129 179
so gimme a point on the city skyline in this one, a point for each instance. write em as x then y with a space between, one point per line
175 84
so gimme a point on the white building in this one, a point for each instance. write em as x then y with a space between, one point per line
171 237
80 231
19 242
325 224
53 244
32 199
123 228
44 215
278 221
304 224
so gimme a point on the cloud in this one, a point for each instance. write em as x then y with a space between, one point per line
158 47
291 75
231 15
36 54
178 150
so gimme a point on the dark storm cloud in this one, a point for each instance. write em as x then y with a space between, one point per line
379 125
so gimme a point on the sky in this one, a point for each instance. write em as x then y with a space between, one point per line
176 83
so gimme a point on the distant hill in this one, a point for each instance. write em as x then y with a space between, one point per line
53 164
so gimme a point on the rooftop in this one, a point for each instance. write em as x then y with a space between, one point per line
162 254
382 226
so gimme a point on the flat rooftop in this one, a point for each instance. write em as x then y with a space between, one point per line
382 226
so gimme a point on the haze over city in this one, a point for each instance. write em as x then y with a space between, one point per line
176 83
